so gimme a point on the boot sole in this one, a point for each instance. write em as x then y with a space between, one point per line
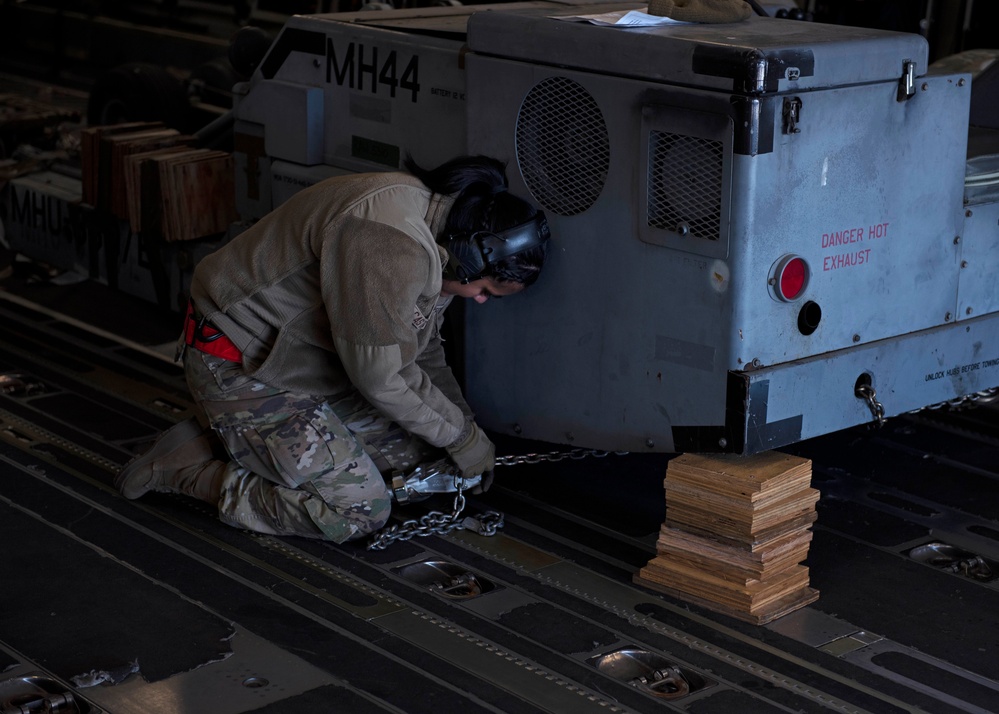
127 480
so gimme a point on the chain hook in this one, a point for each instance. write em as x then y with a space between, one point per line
869 395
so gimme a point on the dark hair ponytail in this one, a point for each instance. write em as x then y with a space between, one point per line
483 203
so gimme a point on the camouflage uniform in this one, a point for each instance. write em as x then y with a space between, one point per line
301 464
337 291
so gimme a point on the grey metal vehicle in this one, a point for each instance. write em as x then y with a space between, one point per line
767 231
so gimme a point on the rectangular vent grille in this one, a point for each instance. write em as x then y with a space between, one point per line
685 184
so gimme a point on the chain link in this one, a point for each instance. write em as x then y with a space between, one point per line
439 523
554 456
867 393
486 524
986 396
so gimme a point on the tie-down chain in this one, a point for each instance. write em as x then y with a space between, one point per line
442 477
870 396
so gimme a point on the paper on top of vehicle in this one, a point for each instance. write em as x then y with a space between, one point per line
623 18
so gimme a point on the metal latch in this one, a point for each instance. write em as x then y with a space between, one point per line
465 585
907 85
427 479
668 683
792 115
974 567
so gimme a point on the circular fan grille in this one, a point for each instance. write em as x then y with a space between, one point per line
562 146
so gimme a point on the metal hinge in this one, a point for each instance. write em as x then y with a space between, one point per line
792 115
907 84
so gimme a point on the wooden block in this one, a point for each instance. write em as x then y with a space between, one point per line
187 194
95 159
751 597
116 148
747 476
734 563
747 527
132 170
789 603
775 548
737 575
742 502
199 196
743 513
736 534
151 198
759 540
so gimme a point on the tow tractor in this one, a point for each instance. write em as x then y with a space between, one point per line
764 231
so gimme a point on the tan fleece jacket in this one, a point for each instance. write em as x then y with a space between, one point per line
339 287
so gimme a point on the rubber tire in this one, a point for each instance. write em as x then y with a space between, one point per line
137 91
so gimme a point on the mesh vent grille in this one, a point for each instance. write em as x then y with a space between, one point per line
685 184
562 146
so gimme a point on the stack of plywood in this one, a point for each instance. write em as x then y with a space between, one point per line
153 177
737 530
102 153
184 195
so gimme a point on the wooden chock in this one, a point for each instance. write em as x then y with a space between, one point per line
736 533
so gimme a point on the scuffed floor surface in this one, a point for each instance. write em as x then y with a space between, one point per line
153 606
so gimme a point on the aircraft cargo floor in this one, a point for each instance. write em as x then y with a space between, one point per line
154 606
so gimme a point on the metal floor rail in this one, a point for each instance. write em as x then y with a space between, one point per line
154 606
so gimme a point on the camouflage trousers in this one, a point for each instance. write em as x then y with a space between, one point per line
300 464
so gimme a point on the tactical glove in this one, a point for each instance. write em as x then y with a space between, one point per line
701 10
474 454
485 483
